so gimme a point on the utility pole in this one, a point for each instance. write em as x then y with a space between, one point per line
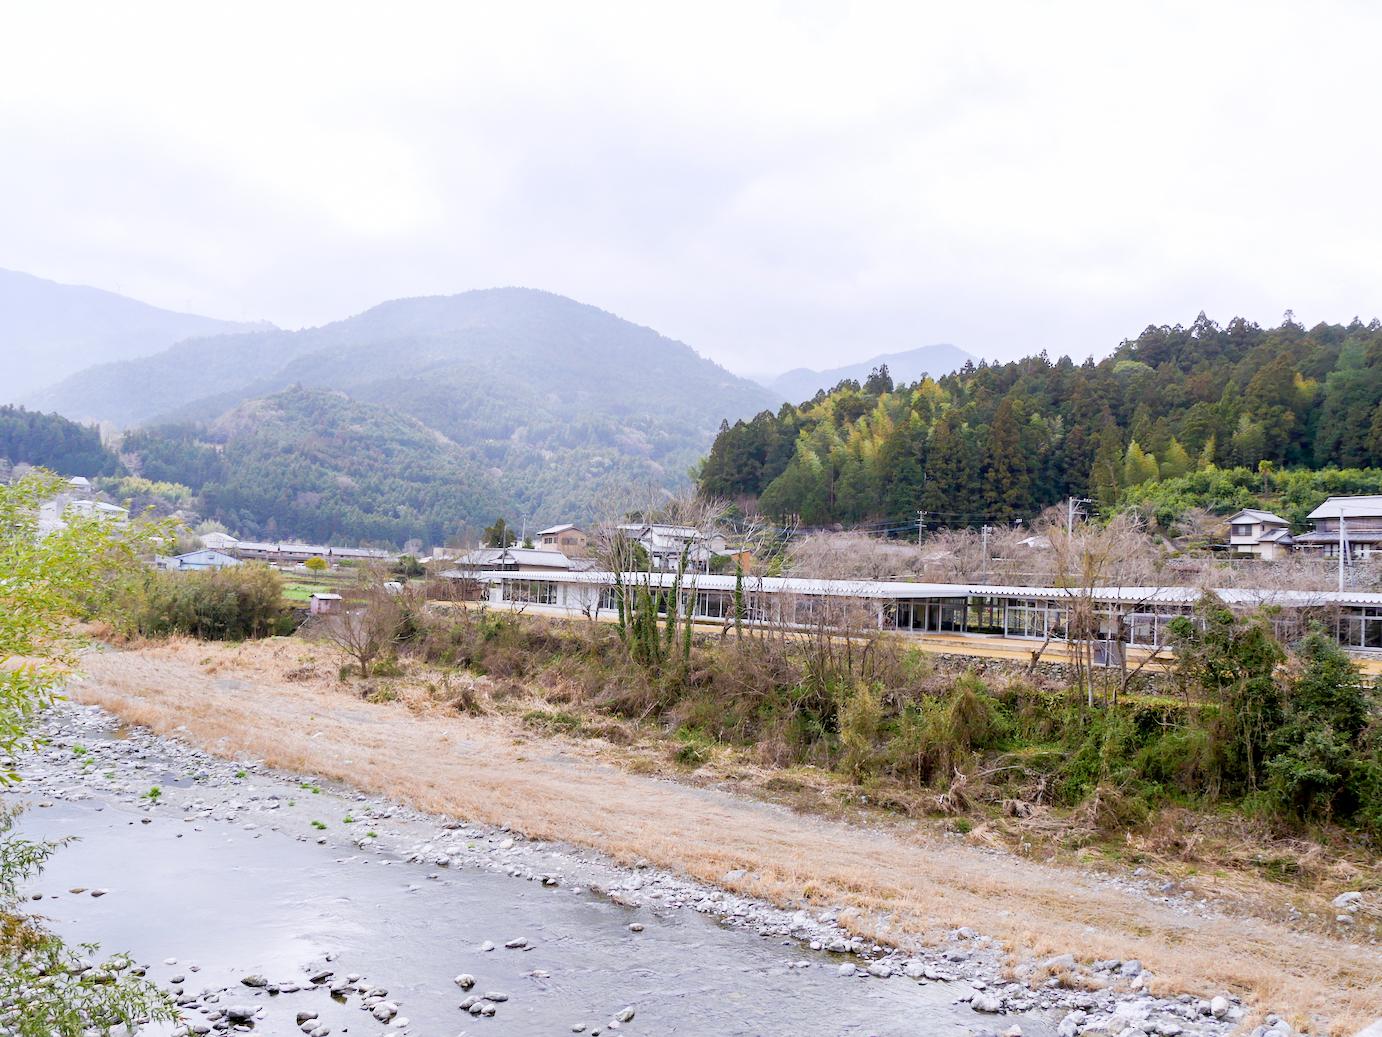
984 532
921 526
1343 547
1071 506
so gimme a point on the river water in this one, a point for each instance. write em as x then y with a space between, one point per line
235 897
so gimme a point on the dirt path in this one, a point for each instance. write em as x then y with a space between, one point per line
902 885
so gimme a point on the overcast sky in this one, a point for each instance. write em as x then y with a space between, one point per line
774 184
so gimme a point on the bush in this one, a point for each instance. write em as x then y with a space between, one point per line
232 604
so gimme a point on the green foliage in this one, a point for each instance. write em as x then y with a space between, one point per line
1325 761
44 583
571 404
939 734
1004 441
51 441
321 466
1233 664
500 534
409 567
231 604
860 718
1293 493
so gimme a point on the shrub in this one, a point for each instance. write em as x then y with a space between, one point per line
861 717
232 604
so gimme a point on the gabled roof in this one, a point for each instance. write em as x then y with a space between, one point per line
209 553
1275 536
499 556
1360 506
1259 516
553 530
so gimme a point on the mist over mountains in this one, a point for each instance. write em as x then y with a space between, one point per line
802 383
49 330
563 406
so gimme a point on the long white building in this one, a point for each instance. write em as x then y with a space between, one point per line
1131 615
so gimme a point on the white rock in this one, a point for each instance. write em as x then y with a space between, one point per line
1218 1007
384 1011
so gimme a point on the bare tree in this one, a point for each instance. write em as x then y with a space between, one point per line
850 556
369 622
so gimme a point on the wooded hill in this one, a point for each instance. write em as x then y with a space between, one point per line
566 404
321 466
995 443
51 441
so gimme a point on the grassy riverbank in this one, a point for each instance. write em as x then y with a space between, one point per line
537 743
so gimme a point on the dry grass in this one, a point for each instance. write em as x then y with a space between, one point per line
901 883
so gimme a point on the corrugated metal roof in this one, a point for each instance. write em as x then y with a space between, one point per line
1359 506
894 589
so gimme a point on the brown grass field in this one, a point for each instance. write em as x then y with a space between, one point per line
902 882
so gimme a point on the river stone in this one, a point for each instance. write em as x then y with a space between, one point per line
384 1011
240 1013
465 981
255 981
625 1015
1218 1007
987 1003
1347 901
880 969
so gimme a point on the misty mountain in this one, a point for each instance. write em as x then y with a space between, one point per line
49 331
802 383
567 405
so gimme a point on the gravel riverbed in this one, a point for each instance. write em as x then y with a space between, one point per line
275 903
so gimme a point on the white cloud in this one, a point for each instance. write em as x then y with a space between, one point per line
775 184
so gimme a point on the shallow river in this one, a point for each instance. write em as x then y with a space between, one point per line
236 899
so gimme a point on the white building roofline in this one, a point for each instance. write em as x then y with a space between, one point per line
895 589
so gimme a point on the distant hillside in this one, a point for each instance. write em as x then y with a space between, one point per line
567 403
49 331
318 465
997 443
51 441
802 383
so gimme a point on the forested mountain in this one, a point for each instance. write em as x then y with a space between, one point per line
49 331
51 441
567 403
318 465
994 443
907 366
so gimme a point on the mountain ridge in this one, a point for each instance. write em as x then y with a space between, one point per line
568 403
50 330
937 359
